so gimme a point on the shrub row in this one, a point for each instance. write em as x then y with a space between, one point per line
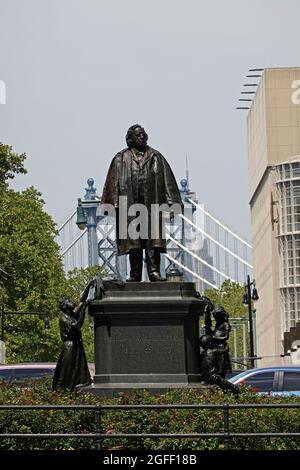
144 421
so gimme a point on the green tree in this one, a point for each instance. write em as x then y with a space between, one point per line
10 164
230 296
31 272
32 276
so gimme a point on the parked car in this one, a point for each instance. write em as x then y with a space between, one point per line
234 373
22 373
279 380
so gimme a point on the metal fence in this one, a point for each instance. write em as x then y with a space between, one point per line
98 435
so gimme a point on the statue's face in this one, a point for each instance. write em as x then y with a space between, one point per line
139 138
70 305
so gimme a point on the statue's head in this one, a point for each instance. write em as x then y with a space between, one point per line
220 315
136 137
66 304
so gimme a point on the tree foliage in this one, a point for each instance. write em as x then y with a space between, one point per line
32 276
10 163
230 296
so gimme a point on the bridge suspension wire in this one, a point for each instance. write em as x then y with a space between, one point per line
219 223
199 259
215 241
189 270
74 242
66 221
223 250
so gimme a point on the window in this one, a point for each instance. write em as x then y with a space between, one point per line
262 382
296 170
22 375
287 171
291 381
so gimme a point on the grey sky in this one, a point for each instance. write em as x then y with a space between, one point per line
79 72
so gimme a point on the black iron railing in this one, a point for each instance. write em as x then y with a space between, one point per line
98 435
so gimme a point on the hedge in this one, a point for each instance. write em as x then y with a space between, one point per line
144 421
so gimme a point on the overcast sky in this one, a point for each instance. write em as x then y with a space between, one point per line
78 73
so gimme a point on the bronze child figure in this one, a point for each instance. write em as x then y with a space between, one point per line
215 359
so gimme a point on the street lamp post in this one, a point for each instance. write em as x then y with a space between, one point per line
87 218
2 323
248 296
2 344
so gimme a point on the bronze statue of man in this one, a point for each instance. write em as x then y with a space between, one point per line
142 174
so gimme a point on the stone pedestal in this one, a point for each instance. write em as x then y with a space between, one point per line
146 336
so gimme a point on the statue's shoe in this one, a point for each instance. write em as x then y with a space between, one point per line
155 276
133 279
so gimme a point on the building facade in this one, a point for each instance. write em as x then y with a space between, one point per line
273 128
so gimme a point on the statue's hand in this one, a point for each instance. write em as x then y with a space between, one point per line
85 293
91 283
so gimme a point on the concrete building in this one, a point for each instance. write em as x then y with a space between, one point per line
273 127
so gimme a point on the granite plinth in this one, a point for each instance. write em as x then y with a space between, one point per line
146 336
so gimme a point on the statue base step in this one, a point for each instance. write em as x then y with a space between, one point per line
114 389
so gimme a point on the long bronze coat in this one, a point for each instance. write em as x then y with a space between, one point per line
160 188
